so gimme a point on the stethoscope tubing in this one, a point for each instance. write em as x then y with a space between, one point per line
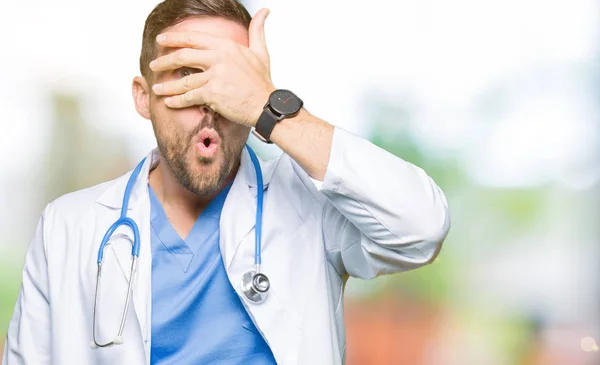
135 250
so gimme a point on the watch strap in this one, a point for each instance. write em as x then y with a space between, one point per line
265 124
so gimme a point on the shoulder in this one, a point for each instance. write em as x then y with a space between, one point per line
75 204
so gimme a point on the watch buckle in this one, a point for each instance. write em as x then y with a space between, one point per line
261 138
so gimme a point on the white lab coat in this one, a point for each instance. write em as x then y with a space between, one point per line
373 214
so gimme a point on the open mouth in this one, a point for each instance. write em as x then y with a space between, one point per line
207 143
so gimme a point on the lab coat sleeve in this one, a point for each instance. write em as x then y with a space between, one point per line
385 215
28 338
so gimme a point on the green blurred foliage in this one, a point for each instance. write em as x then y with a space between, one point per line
10 282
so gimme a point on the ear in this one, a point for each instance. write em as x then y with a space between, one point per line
141 96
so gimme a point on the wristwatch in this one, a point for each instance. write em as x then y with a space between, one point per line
281 104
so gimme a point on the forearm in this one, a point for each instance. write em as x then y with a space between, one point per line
307 139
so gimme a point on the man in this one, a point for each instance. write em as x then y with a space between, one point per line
334 206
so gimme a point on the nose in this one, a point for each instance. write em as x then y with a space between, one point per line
206 109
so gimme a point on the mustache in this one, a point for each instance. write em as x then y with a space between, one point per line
208 121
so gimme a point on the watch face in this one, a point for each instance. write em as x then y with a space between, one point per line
285 102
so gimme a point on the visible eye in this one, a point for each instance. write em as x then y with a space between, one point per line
186 71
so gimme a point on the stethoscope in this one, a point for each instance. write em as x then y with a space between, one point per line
254 284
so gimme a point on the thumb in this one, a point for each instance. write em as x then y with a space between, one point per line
256 35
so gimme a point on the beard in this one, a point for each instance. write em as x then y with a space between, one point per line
175 150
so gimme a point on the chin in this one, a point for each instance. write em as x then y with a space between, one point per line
212 165
205 178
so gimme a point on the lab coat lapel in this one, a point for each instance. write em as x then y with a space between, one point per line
238 216
278 326
142 295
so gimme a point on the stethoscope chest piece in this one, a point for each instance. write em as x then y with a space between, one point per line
255 286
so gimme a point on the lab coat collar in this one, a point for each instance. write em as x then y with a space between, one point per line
238 216
113 196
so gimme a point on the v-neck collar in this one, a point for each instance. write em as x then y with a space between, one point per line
182 249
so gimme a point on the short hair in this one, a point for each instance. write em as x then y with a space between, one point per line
172 12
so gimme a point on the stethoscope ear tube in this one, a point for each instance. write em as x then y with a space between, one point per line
119 338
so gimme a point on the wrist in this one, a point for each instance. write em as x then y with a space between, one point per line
262 101
291 125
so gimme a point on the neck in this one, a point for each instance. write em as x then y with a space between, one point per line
177 201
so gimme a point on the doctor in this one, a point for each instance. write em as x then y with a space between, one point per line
234 260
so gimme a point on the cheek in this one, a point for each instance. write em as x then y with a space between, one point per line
234 131
167 119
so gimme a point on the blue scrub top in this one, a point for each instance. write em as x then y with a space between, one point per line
197 317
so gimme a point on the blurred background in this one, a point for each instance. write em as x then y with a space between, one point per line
498 100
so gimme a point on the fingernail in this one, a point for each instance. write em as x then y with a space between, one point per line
153 64
161 38
157 87
168 100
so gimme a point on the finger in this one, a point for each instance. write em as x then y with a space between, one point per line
181 86
183 57
190 98
257 39
198 40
